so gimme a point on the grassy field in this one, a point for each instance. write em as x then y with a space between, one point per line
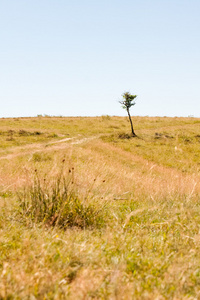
87 212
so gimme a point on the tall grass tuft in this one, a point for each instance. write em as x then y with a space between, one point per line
56 203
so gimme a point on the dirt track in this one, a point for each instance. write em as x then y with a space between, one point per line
50 146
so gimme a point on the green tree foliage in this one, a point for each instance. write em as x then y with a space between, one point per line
127 102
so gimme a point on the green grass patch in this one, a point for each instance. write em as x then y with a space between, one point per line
56 203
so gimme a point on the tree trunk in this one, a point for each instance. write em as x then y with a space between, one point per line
133 132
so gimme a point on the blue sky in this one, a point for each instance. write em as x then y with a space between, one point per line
76 58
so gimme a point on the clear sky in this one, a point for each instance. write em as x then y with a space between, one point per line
76 57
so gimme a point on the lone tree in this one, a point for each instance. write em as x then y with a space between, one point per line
127 102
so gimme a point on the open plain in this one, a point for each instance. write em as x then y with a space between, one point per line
88 212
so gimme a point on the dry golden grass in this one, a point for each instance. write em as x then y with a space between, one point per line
149 186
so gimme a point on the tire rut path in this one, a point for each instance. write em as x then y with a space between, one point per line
50 146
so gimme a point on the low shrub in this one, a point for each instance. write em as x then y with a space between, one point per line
23 132
124 136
